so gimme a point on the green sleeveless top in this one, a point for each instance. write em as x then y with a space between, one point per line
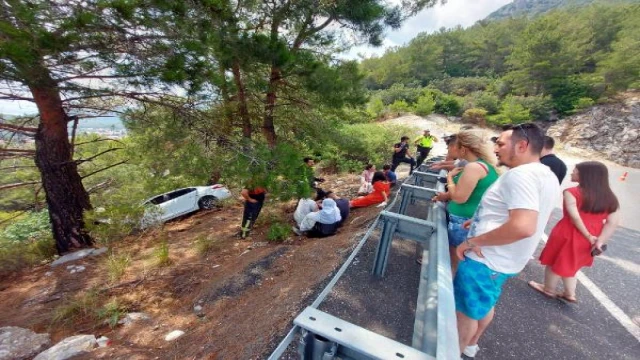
469 207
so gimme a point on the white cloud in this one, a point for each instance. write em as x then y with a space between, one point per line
453 13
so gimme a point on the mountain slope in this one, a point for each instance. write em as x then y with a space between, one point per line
531 8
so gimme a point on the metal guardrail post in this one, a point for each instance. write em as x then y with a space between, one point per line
382 253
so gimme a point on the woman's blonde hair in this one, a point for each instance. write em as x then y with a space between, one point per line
478 144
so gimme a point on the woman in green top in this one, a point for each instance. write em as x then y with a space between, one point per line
466 185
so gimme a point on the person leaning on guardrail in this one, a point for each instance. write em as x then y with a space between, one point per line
466 185
504 231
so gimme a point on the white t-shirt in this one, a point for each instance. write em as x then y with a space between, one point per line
531 186
304 207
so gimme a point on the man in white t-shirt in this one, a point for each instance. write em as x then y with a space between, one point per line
504 232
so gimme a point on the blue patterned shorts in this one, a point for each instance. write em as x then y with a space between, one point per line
457 234
477 288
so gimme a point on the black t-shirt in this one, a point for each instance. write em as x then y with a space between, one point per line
403 150
556 165
343 206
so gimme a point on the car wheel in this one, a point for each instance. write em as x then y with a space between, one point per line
207 202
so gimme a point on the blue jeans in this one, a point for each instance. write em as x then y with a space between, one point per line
457 234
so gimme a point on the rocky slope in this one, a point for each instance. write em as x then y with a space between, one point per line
611 131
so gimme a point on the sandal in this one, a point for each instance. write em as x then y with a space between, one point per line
567 298
540 288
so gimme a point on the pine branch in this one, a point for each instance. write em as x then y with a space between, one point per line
15 185
106 168
80 161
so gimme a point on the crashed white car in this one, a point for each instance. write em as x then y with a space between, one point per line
179 202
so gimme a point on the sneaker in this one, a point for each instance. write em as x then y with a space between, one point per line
296 230
471 350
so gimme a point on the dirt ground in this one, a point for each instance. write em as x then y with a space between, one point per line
249 290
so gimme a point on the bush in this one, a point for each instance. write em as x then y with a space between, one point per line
425 105
475 116
514 111
375 107
539 106
583 103
33 225
400 107
483 100
278 232
448 105
399 92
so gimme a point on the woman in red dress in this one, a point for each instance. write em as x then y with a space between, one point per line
380 194
590 216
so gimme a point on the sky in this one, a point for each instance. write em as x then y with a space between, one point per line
453 13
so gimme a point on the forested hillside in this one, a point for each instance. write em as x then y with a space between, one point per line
512 70
531 8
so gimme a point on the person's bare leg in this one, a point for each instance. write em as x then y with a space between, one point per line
482 326
570 284
551 280
467 328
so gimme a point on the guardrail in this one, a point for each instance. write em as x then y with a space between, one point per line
326 337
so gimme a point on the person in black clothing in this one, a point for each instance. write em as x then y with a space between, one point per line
548 158
254 197
401 154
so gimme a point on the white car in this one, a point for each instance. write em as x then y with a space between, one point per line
179 202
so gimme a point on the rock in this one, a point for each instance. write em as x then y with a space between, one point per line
48 273
104 341
18 343
69 347
173 335
133 317
197 308
78 255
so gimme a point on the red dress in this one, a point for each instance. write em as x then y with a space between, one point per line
375 197
567 250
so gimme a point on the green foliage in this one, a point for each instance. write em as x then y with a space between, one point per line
32 226
425 105
400 107
484 100
111 312
161 254
514 111
356 145
583 103
81 305
375 107
475 116
278 232
116 265
551 60
448 105
399 92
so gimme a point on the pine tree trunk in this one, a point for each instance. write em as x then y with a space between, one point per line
242 100
268 129
66 197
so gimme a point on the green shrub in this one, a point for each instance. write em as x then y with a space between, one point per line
475 116
461 86
498 120
583 103
117 265
400 107
483 100
278 232
512 110
111 312
539 106
448 105
161 254
425 105
375 107
33 225
399 92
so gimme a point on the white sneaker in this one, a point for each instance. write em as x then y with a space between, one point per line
296 231
471 350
